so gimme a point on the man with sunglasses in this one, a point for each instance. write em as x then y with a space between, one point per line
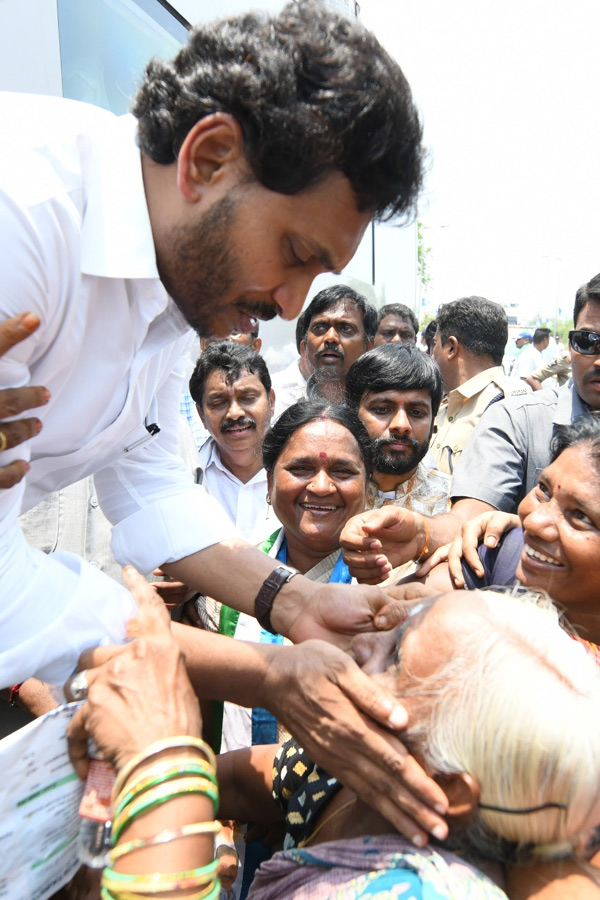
502 461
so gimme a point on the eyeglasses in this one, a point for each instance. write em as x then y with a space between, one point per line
585 342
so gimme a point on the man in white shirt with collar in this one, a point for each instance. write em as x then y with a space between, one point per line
231 388
239 178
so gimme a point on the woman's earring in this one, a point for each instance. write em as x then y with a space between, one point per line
268 499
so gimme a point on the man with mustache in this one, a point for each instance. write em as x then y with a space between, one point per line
339 325
231 388
397 390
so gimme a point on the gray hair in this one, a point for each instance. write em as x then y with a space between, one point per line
517 707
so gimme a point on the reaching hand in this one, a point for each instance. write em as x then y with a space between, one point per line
14 401
378 540
140 693
341 716
486 528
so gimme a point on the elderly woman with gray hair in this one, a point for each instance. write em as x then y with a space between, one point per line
503 707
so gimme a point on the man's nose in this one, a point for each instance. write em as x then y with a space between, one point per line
290 295
235 411
400 422
331 336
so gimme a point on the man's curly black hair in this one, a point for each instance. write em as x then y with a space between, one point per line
312 92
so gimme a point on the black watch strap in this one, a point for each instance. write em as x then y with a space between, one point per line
269 590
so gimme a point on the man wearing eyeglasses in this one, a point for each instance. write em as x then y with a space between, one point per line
502 461
512 443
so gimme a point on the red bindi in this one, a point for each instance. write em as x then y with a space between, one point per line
322 455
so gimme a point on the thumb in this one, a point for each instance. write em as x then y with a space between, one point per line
152 618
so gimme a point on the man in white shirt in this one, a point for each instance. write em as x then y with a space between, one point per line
231 388
530 358
238 179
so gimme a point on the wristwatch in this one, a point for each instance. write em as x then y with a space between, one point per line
268 591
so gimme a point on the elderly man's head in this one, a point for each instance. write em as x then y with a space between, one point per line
503 709
268 145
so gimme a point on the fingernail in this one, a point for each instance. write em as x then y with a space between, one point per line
441 809
418 840
46 393
398 717
439 832
28 320
38 426
381 622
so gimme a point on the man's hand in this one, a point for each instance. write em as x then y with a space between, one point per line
140 694
378 540
333 708
15 400
173 593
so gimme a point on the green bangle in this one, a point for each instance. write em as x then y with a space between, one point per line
212 893
157 796
162 881
164 837
179 741
169 774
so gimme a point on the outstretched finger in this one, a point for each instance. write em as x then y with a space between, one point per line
455 562
16 329
13 473
438 556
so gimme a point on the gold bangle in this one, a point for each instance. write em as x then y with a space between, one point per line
180 741
164 837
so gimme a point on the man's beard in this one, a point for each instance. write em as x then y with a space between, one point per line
199 268
390 462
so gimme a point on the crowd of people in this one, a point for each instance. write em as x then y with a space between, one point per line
316 547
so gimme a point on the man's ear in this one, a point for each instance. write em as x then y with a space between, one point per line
257 344
199 411
370 344
303 349
211 148
451 347
463 796
272 401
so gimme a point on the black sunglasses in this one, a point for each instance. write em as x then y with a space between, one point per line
585 342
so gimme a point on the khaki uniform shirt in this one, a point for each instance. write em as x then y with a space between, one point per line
560 368
462 409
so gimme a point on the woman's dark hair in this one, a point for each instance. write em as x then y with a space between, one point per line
312 91
303 413
394 367
584 429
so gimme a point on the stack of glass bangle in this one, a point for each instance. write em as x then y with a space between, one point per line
158 783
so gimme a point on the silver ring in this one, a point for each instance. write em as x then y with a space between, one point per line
78 686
